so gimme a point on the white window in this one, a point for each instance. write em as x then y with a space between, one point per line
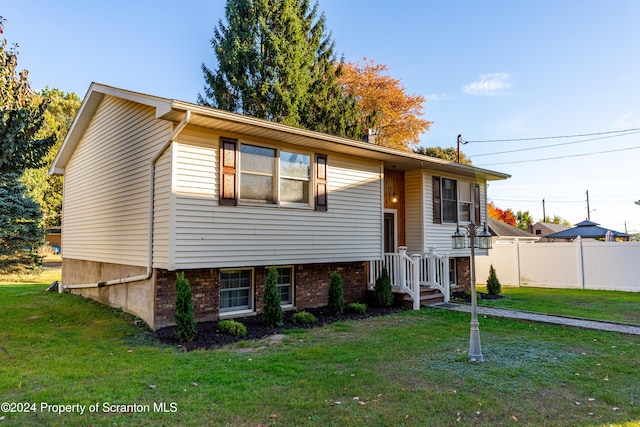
236 289
465 202
272 176
449 200
295 174
285 285
453 279
257 173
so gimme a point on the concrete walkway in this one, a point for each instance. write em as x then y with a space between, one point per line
544 318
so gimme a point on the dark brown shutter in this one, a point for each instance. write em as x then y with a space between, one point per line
437 201
321 183
228 172
476 203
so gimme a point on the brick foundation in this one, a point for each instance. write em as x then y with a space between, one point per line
463 272
311 289
205 301
312 283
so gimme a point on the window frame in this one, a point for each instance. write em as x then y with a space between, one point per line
291 286
235 310
277 177
440 202
453 272
447 201
468 202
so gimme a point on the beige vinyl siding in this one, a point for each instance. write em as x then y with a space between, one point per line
162 205
209 235
107 185
414 211
439 235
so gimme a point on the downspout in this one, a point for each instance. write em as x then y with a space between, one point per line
152 175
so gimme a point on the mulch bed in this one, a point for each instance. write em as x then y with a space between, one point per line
209 337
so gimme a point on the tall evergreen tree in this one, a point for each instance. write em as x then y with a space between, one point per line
21 118
275 61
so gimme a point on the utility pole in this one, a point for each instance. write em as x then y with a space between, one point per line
588 210
460 141
544 212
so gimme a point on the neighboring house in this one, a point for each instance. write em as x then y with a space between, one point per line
53 239
154 186
543 229
503 232
502 256
588 230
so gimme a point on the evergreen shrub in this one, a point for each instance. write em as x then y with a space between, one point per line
493 284
382 291
183 317
272 310
336 295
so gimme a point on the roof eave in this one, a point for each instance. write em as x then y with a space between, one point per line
404 160
173 110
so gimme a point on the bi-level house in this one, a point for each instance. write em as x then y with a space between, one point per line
154 186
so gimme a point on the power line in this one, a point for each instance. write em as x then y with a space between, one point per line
559 157
553 145
555 137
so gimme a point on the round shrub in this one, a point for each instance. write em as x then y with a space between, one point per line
303 318
232 327
356 307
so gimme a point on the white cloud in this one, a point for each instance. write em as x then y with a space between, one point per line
630 119
489 84
435 97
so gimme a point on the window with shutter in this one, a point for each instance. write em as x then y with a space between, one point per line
256 174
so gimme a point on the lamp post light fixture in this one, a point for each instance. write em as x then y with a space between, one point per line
476 239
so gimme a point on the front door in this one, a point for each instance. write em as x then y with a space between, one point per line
390 239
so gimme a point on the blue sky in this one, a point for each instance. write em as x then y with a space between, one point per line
490 70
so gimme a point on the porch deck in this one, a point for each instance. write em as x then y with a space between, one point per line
421 278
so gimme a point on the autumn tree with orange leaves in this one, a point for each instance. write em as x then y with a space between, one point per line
506 216
384 106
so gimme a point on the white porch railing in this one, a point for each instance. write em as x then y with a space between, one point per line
409 273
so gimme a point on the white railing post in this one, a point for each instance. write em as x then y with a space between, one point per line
433 276
445 277
402 265
415 264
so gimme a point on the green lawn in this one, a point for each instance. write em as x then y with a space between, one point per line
404 369
612 306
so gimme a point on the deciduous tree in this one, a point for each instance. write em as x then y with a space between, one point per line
450 154
524 219
384 105
43 188
505 216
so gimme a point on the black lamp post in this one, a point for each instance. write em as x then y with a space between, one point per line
480 240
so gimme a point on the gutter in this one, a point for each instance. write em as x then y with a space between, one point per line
152 174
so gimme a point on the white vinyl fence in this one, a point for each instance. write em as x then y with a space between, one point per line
586 264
